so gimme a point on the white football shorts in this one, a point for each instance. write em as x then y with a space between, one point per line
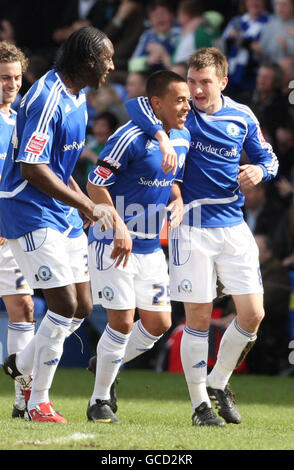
50 259
143 283
12 281
200 256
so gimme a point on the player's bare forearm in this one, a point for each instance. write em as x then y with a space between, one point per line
176 206
44 179
169 155
122 239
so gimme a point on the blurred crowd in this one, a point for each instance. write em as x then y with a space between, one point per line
257 37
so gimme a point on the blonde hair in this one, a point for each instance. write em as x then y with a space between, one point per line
10 53
207 57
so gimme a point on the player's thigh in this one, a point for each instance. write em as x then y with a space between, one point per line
191 263
79 258
12 281
238 264
152 282
112 287
44 258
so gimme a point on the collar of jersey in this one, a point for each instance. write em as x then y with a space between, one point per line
77 99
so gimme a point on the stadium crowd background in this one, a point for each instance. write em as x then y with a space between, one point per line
258 39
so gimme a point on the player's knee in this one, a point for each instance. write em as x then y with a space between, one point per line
28 309
165 326
254 319
85 307
23 310
158 328
125 326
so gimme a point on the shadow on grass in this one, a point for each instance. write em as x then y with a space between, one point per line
149 385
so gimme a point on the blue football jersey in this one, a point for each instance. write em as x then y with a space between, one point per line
50 129
210 189
130 167
7 123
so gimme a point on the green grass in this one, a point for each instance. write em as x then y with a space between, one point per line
155 414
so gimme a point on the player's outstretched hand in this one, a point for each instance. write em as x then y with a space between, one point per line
249 175
122 243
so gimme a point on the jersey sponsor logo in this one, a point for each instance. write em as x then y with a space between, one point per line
224 152
74 146
157 183
37 143
233 130
103 172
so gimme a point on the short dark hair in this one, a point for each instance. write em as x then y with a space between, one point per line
111 118
158 83
160 3
276 69
81 51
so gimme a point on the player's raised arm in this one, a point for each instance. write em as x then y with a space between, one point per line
141 112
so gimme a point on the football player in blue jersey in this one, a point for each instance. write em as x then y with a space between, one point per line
37 195
130 180
14 290
213 242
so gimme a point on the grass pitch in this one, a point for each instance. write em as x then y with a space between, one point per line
155 414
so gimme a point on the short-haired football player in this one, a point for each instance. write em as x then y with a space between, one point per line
14 290
213 242
39 201
130 179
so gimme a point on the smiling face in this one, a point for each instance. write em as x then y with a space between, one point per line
206 86
10 83
107 64
172 108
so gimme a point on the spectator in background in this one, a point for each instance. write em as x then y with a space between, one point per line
136 84
270 353
122 21
277 39
264 212
285 149
106 98
239 35
268 103
157 44
103 126
198 29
